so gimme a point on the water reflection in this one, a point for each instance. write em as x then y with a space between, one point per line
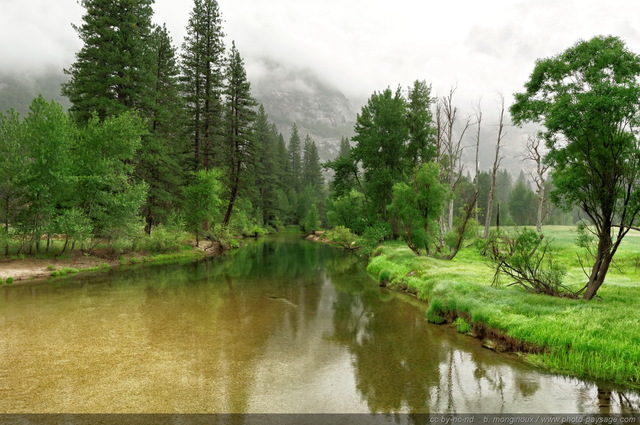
279 326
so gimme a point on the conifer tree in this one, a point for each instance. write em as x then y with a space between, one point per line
203 81
161 161
240 119
294 165
311 168
111 74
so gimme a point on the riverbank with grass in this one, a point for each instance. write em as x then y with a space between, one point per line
598 339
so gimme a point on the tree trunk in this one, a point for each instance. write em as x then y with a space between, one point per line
601 264
541 214
232 200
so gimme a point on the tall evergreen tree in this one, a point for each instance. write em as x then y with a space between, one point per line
240 118
345 147
111 73
203 78
311 168
161 161
294 165
266 168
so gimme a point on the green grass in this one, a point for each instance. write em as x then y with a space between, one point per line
597 339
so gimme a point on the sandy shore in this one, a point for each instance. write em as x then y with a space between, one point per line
34 268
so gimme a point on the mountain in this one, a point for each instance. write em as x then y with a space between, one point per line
18 91
294 95
288 96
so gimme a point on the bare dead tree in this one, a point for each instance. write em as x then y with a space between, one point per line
533 153
478 114
451 145
494 171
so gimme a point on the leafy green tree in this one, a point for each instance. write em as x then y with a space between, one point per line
203 81
102 175
12 164
111 73
381 132
421 145
417 206
240 133
48 135
348 210
312 220
588 99
202 200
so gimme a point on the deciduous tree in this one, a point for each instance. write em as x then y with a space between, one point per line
588 99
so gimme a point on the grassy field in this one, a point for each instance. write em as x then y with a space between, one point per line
597 339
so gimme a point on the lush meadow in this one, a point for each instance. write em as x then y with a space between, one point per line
598 339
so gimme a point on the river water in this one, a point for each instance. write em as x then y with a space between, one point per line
280 326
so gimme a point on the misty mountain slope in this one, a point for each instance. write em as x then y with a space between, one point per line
18 91
289 96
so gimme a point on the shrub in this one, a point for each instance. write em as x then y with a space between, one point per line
342 236
462 326
529 261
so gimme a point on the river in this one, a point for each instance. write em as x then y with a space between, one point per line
280 326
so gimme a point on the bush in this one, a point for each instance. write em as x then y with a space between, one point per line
462 326
529 261
372 236
342 236
162 239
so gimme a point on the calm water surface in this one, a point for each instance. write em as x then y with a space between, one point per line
282 325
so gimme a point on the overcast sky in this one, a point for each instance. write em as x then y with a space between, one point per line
482 46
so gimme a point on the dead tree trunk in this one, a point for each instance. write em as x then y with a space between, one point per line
494 171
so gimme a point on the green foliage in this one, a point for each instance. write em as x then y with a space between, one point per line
312 220
381 132
111 74
588 99
342 236
239 121
202 201
528 260
461 325
416 207
523 205
349 211
9 280
163 239
595 340
202 61
372 236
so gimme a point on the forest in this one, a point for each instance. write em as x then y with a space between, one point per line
159 141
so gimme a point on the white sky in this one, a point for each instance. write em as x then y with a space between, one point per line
482 46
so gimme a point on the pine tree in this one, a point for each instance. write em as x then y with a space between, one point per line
345 147
240 118
161 161
203 81
111 74
294 165
311 168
